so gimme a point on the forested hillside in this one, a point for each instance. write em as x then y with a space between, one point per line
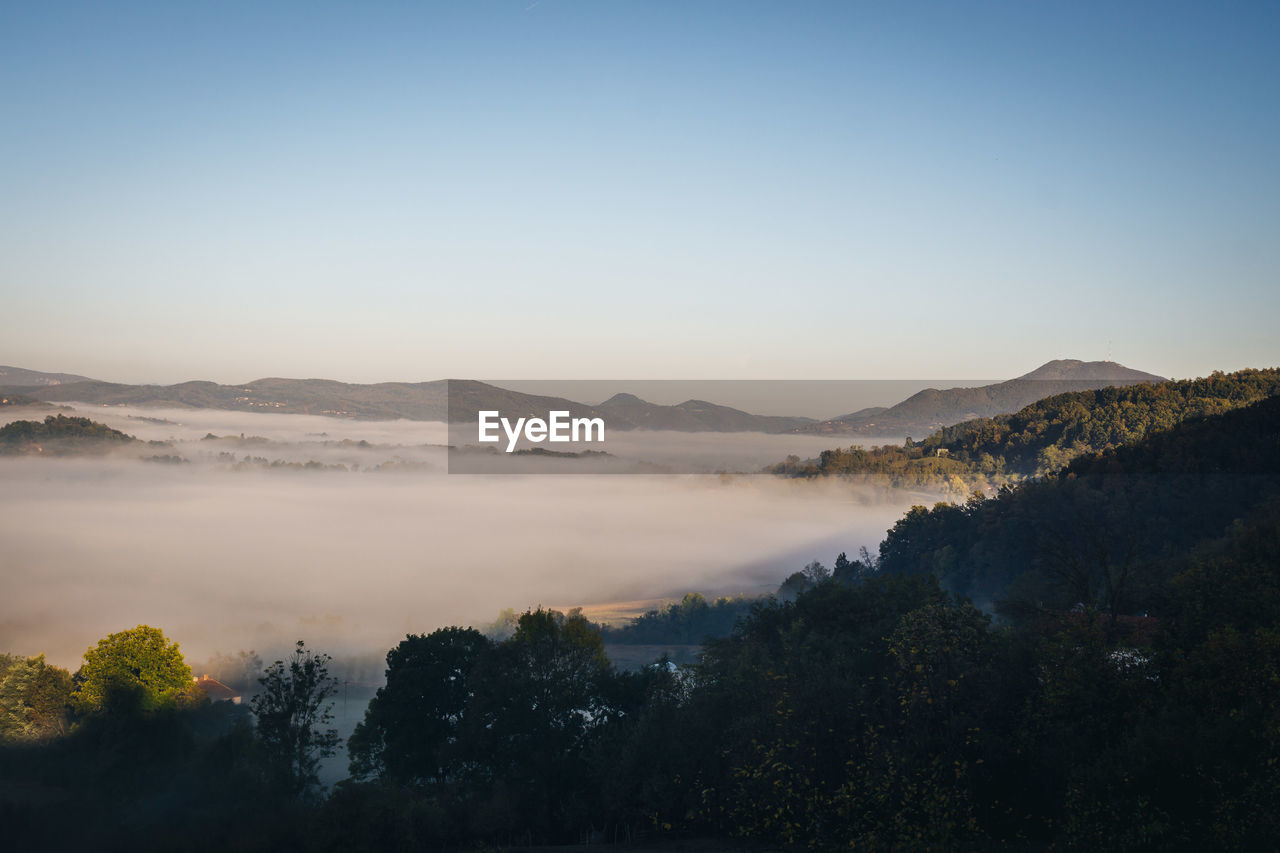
58 434
1041 438
1107 532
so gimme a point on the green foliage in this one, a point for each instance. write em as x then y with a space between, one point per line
293 713
35 699
58 434
1101 533
138 669
1043 437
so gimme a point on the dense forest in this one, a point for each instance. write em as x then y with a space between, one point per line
1041 438
1087 660
1109 531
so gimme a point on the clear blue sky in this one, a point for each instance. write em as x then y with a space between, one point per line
370 191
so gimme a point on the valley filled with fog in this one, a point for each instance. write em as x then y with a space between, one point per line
248 530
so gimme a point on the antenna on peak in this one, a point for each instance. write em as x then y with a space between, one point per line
1108 351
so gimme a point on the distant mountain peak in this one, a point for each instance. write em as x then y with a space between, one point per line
931 409
622 398
1072 369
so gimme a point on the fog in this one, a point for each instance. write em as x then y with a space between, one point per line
225 555
648 451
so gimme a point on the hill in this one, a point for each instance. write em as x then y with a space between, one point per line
1110 529
693 416
1043 437
420 401
59 435
14 377
931 409
385 400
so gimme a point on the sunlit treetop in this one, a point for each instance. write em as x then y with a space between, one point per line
139 668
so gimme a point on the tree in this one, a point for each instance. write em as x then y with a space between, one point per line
816 573
135 669
34 700
537 702
294 712
794 584
412 720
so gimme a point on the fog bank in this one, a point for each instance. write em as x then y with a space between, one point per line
224 557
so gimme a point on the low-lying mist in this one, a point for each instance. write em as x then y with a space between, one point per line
225 556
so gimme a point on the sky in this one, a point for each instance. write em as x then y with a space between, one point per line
647 190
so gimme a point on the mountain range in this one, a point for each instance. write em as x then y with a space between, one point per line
423 401
919 414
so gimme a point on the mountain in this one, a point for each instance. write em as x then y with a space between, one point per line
931 409
15 377
1073 370
694 416
1041 438
466 397
920 414
385 400
421 401
1116 517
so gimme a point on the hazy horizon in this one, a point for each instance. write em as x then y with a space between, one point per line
820 399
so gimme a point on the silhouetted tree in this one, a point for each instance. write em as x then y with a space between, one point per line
413 720
293 714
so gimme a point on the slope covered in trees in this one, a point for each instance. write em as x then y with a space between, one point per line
1042 437
59 434
1109 530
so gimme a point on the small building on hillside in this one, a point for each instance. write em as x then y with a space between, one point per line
216 690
